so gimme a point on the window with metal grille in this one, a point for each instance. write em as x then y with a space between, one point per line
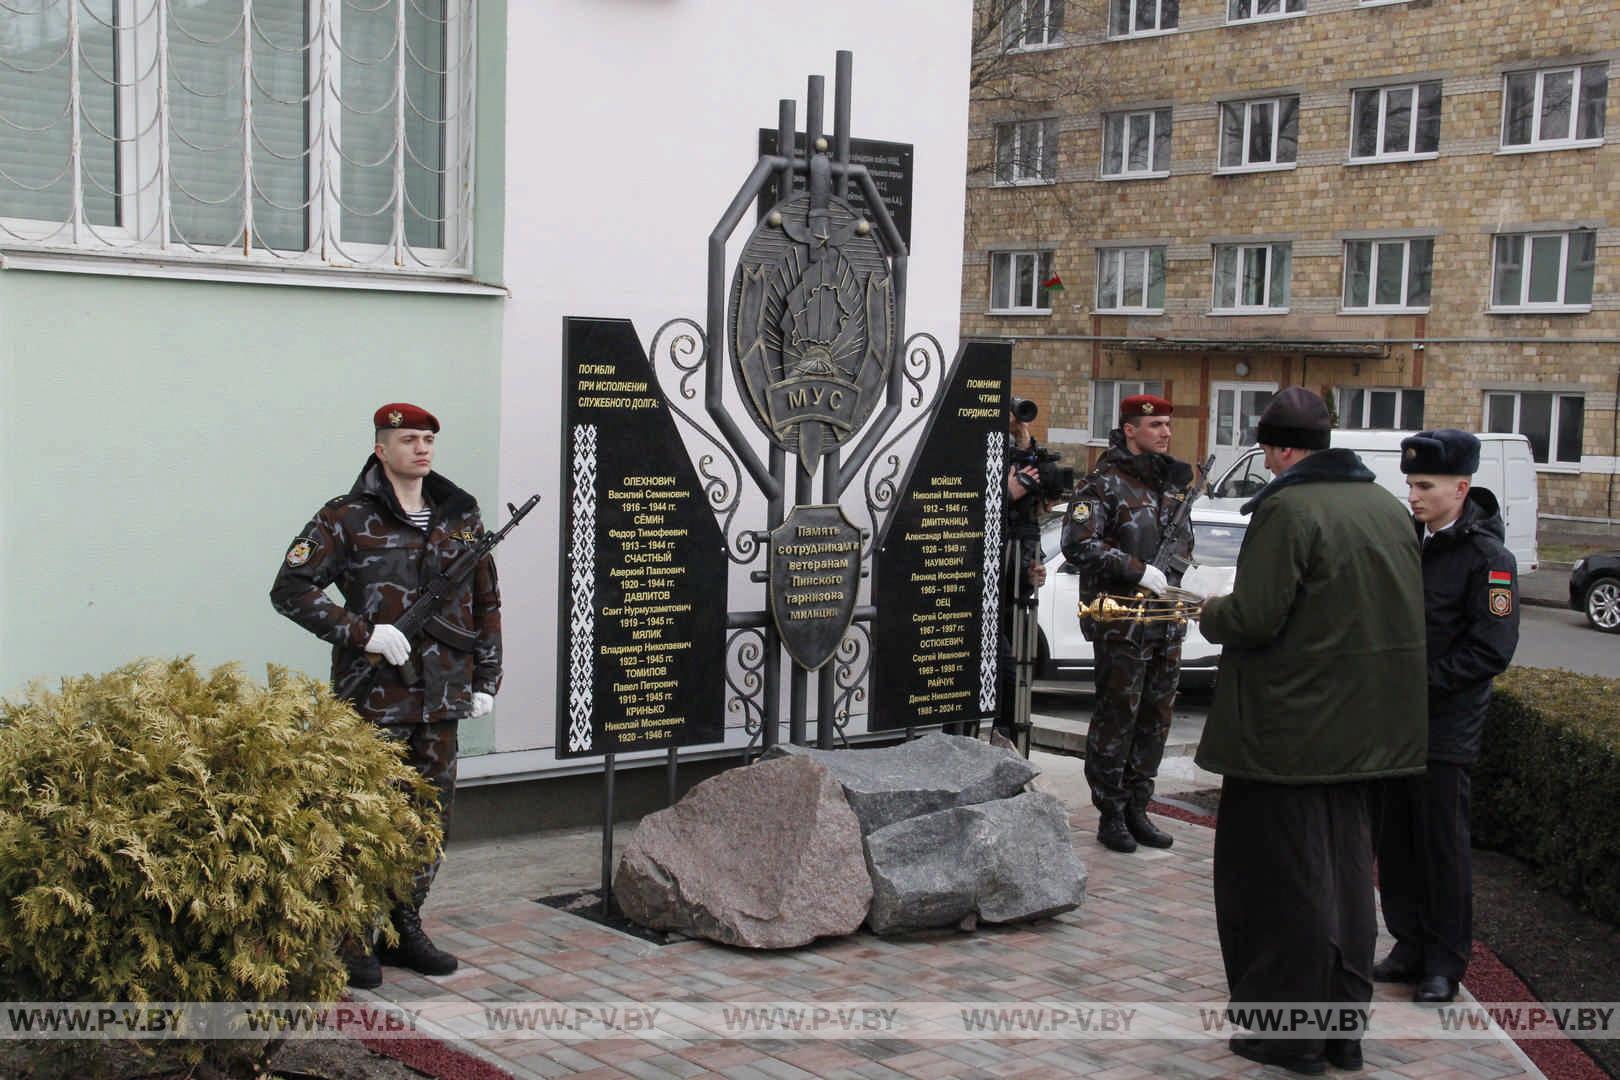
313 133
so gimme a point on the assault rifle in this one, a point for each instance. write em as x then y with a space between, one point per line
426 606
1165 557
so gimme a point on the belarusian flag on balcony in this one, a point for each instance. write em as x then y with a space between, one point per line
1053 284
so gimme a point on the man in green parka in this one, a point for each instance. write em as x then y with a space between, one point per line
1321 690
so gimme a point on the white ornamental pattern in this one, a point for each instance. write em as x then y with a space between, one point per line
582 587
995 446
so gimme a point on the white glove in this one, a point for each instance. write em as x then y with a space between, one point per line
1153 580
387 640
482 704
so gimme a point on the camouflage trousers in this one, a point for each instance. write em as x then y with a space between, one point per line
431 750
1136 690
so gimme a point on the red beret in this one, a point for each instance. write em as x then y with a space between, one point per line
1144 405
400 414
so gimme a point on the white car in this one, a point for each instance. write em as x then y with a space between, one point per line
1064 651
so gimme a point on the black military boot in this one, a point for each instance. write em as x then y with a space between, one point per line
1136 820
415 949
1113 834
365 973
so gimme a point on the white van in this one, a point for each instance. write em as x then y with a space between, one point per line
1505 467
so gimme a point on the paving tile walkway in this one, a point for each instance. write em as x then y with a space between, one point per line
1146 933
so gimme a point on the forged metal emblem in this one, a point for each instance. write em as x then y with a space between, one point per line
396 418
812 321
815 573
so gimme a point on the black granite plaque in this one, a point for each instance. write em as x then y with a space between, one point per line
815 572
641 620
889 163
937 578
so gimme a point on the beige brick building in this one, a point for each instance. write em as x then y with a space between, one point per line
1409 206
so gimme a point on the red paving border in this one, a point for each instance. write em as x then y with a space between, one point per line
1489 980
435 1058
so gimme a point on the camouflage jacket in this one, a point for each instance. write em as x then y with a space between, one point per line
1116 518
380 562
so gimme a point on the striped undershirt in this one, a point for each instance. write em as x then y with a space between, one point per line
419 518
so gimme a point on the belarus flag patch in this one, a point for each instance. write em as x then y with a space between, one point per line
1501 593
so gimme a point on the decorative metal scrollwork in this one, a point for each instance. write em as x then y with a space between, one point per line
687 353
851 665
745 680
924 372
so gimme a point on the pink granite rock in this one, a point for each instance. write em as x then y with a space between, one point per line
767 856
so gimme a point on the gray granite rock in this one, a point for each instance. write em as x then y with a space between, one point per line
767 856
935 772
1005 861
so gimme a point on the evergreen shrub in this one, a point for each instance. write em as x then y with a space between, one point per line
1547 786
168 835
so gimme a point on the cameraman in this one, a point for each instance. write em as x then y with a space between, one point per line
1034 480
1113 532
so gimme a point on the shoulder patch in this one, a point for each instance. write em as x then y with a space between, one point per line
1501 600
300 552
1082 512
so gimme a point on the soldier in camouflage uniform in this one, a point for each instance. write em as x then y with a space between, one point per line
1113 532
382 543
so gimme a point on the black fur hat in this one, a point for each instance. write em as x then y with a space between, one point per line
1446 452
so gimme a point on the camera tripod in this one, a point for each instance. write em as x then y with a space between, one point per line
1024 630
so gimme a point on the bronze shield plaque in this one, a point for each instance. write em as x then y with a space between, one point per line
812 325
815 560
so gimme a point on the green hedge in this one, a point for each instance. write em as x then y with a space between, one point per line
1547 788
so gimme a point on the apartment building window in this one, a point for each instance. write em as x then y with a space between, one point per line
1251 278
1017 282
1127 18
1554 423
1246 10
1259 134
1544 271
1032 24
1026 152
1106 394
1388 275
1395 123
1555 107
1130 279
1380 407
1136 144
288 132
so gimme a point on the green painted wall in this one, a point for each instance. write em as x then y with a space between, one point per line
161 443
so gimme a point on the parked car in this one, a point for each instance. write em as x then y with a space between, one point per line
1506 467
1594 590
1064 652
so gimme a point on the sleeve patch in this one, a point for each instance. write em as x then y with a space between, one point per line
1501 601
1501 577
299 553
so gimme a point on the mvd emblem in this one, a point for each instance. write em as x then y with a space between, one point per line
815 573
812 321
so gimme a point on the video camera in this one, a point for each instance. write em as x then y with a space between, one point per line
1053 481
